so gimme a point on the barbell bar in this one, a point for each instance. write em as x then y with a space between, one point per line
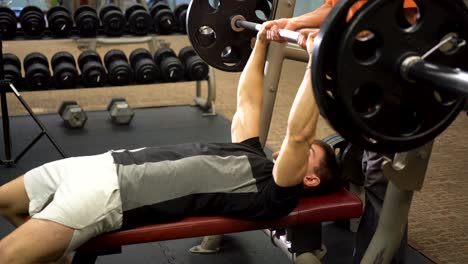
238 23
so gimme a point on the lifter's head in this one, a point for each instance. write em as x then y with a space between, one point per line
323 173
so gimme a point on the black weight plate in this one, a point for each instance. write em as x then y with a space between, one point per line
65 76
7 23
139 20
210 32
12 59
113 20
35 57
114 54
162 54
62 56
60 21
389 113
185 53
351 163
93 74
86 20
88 56
32 21
139 54
196 68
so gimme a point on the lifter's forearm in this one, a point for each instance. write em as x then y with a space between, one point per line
250 87
302 123
302 120
313 19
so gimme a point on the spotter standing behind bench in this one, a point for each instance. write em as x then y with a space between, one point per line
75 199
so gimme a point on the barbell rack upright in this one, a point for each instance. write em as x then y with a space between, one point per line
7 86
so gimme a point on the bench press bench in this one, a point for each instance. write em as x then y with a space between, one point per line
310 210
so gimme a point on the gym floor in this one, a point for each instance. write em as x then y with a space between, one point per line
437 222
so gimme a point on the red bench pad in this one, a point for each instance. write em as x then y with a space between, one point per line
313 209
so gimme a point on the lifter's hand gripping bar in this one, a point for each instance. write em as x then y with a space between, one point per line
289 35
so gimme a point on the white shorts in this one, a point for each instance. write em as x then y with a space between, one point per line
81 193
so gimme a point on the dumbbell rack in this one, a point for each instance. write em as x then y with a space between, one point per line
5 86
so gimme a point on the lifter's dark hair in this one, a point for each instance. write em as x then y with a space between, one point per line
329 171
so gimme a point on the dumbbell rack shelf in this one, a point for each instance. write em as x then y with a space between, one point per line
5 86
75 34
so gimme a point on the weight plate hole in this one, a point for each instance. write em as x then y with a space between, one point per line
367 100
230 56
215 4
408 15
445 98
206 36
366 46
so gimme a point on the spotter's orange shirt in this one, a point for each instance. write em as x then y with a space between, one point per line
359 3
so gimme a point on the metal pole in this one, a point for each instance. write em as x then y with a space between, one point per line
406 174
391 227
273 66
294 52
5 117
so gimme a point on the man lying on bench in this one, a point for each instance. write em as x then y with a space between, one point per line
73 200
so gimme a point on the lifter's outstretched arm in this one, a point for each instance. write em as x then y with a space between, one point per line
292 163
246 120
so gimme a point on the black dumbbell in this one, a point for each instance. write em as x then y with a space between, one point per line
72 114
12 69
181 15
195 68
93 73
163 18
37 73
7 23
60 21
172 69
112 20
32 21
146 71
139 20
119 71
64 68
120 112
86 21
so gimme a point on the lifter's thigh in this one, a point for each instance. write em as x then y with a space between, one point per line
36 241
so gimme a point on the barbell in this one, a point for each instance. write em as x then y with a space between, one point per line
383 83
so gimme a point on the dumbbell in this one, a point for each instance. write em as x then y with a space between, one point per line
139 20
32 21
65 72
163 18
146 71
171 67
72 114
60 21
120 112
7 23
12 68
195 68
113 21
37 73
86 21
93 73
119 71
181 16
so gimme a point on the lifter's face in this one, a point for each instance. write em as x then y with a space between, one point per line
316 154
